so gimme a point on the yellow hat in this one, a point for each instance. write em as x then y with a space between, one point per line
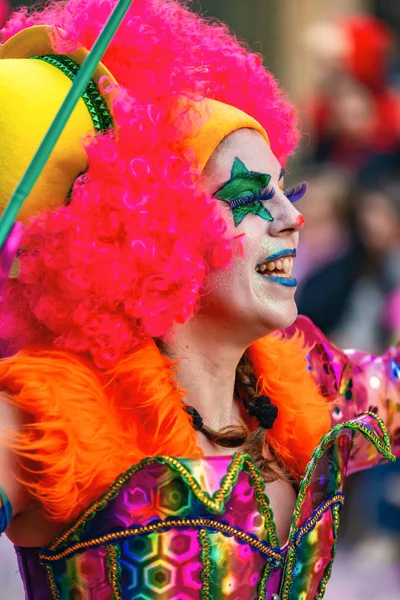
33 84
218 120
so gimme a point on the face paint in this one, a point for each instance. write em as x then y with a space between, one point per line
245 192
300 221
297 192
248 303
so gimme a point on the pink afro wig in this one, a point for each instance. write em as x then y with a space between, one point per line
127 258
4 11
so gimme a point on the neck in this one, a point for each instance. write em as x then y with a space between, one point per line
206 370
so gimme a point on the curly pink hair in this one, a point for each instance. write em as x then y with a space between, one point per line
127 258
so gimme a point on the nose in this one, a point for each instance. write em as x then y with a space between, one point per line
287 219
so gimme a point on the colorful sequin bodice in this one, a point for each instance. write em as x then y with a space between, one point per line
169 528
201 529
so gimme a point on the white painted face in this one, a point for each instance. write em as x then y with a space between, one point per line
255 295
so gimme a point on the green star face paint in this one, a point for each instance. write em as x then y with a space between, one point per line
245 192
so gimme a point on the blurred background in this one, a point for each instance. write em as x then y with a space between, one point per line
339 61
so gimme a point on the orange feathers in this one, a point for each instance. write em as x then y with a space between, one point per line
83 427
304 415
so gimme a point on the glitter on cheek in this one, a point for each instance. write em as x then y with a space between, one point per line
273 303
270 296
276 305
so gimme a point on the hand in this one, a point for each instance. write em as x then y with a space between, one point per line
8 253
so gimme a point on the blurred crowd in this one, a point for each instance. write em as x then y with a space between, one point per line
349 258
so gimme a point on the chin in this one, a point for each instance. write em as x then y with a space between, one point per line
279 319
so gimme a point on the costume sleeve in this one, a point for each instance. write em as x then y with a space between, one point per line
5 511
356 383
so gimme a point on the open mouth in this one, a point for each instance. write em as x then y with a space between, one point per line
279 267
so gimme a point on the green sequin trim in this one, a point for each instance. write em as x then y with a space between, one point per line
163 526
288 574
97 107
215 503
382 446
336 501
258 483
262 588
328 572
55 595
114 570
205 557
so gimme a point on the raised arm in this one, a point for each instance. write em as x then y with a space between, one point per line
356 383
13 496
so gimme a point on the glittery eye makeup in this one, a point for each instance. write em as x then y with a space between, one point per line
245 192
266 194
297 192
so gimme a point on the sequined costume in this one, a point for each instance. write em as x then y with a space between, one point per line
116 246
203 528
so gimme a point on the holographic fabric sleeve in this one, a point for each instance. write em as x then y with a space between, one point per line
5 511
356 383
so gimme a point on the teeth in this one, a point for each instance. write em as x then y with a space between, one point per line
285 265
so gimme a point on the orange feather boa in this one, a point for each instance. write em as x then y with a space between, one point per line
83 427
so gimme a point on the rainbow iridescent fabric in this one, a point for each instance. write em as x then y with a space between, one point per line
187 529
356 383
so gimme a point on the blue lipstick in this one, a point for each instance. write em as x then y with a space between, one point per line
286 281
281 254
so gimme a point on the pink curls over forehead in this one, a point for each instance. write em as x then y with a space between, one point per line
127 258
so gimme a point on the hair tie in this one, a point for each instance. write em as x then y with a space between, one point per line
263 410
198 423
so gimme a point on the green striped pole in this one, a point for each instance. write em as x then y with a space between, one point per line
81 80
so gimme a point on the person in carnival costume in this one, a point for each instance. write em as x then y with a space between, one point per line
166 432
